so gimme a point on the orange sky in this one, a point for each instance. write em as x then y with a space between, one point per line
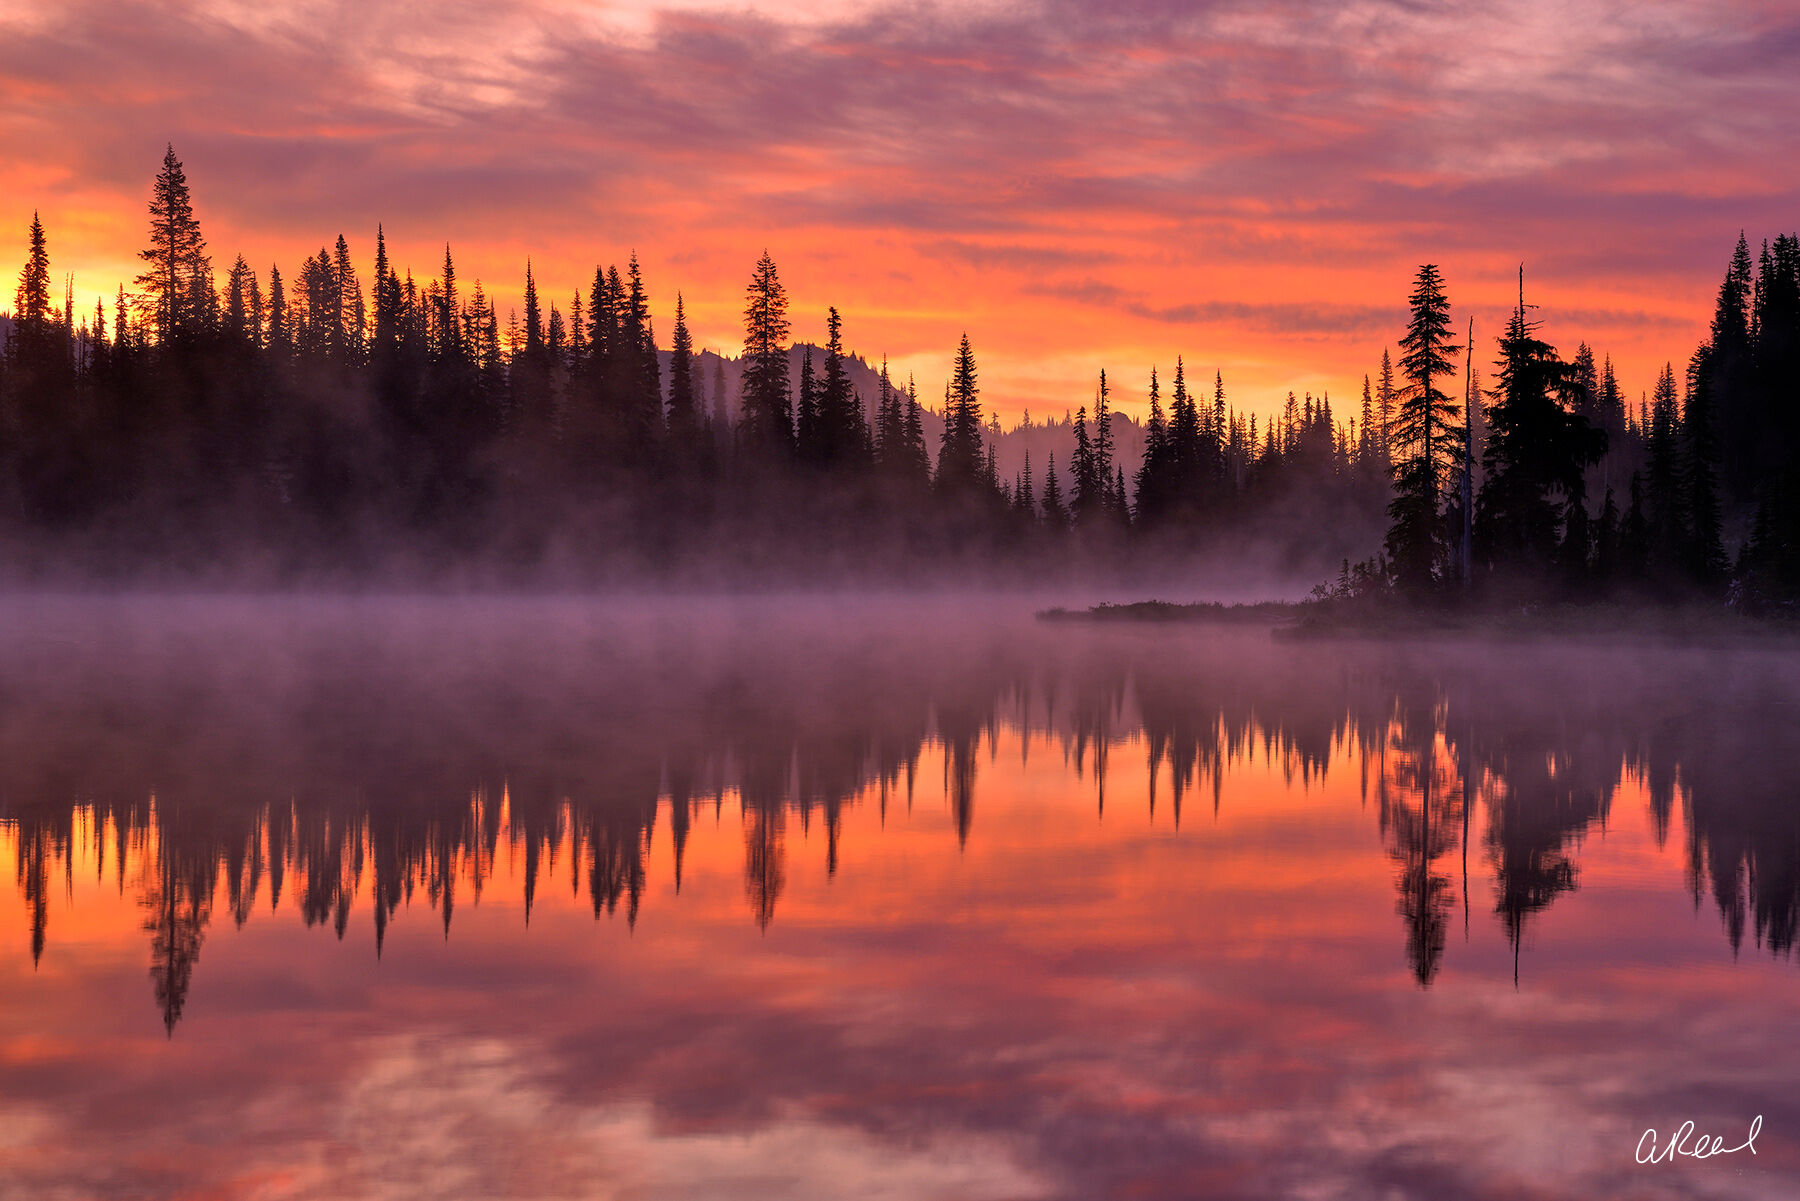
1248 185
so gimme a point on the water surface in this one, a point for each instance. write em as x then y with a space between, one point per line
790 899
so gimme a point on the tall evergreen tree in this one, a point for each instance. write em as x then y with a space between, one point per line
890 427
1740 417
1056 516
534 319
176 256
918 457
1088 486
809 433
1666 528
1111 498
961 462
1425 439
280 336
1156 471
639 370
843 430
31 301
1385 397
351 316
1537 450
767 422
685 434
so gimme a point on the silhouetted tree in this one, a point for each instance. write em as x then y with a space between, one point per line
767 424
1425 439
178 268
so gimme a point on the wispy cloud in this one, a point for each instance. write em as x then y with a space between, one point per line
1263 173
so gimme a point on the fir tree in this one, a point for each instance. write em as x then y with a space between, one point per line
684 423
1385 397
766 423
1155 470
1740 419
31 301
961 463
843 430
891 450
1089 496
918 458
1665 525
639 373
1056 516
534 319
1538 447
176 257
351 316
1424 438
809 436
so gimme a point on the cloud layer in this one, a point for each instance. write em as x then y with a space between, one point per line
1249 185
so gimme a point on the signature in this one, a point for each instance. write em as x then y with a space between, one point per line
1702 1147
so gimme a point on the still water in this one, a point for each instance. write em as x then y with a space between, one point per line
884 899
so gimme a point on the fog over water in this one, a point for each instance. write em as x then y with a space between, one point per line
829 896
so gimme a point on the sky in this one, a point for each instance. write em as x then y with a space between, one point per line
1249 185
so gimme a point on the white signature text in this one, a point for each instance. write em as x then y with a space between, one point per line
1700 1147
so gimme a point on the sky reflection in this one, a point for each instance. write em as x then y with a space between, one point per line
1017 976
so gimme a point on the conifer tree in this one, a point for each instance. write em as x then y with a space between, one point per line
1056 516
1537 451
351 316
766 423
1740 418
384 337
891 450
843 430
1103 446
639 371
961 462
809 436
240 329
449 344
280 337
31 301
1089 486
1665 520
1424 439
176 257
1385 397
918 457
684 422
1155 469
602 333
1193 450
534 320
1368 444
578 336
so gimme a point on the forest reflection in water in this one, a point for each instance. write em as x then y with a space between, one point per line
219 763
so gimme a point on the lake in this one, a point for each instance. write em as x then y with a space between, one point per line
881 898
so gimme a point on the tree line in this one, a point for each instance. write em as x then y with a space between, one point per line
294 425
1495 496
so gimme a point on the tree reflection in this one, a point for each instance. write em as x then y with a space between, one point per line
337 807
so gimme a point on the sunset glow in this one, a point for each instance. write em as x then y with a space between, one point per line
1246 185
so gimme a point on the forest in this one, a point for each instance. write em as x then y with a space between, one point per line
239 427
